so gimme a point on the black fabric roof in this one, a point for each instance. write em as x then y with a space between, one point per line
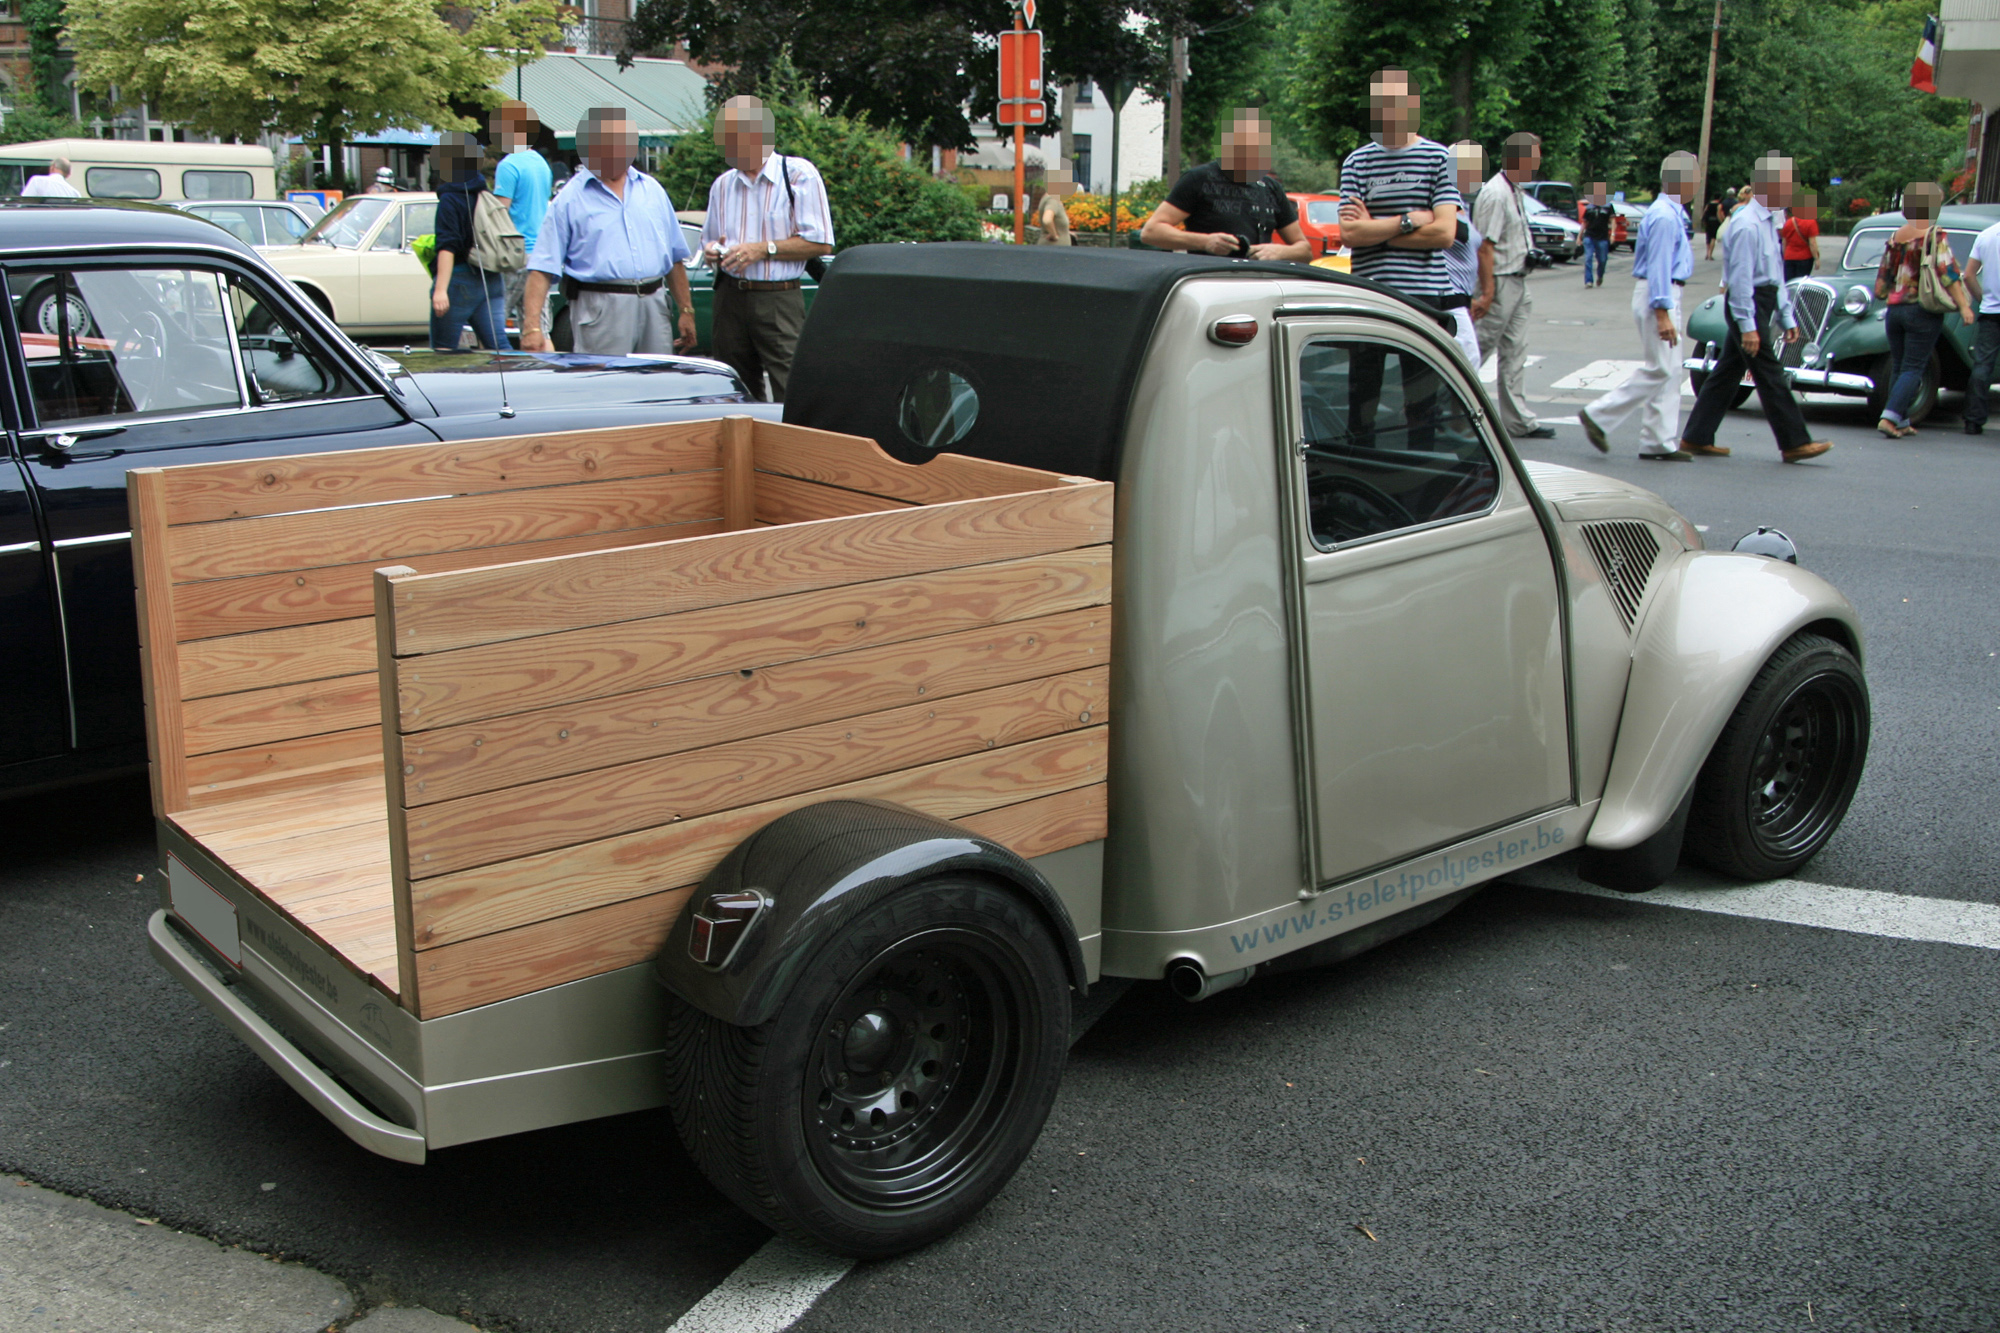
1052 338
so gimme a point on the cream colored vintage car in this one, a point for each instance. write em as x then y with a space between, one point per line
357 265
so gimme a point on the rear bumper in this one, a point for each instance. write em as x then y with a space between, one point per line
1812 381
290 1063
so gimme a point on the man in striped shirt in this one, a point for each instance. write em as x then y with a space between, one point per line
767 216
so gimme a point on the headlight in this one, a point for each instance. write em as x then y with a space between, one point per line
1857 300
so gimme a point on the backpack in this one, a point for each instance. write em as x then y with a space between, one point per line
1931 294
497 244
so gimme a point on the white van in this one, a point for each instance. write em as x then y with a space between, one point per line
138 169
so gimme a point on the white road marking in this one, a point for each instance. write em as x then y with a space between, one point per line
1895 916
768 1293
1602 376
1489 370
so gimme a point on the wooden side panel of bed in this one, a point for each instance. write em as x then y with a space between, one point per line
573 742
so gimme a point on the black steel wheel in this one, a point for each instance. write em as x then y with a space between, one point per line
1781 775
901 1082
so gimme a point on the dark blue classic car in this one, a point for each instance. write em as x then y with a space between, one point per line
138 336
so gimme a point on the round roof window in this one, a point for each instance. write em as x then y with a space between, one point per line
938 409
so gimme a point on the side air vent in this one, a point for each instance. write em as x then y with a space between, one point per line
1626 551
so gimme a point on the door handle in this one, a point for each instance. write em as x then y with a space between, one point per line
62 441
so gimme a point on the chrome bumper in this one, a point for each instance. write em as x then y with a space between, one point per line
1814 381
291 1064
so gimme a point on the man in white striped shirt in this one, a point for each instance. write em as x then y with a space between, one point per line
767 216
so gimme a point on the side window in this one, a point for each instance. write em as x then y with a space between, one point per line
283 225
121 182
245 224
281 363
1387 442
419 220
216 184
112 342
391 235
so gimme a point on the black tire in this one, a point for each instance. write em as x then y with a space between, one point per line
876 1146
1781 775
1697 378
1882 370
39 313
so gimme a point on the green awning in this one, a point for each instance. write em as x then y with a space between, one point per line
665 97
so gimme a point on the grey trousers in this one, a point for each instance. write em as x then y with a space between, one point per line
756 332
517 294
619 323
1504 332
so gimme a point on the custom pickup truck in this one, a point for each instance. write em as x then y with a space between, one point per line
1090 614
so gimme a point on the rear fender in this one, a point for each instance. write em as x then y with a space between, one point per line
820 868
1716 619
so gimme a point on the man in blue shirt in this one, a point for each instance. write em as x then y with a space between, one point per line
523 182
1662 259
612 239
1753 273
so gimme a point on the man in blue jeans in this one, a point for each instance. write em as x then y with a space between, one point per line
1598 217
1986 342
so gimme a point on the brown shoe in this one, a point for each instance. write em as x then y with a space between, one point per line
1706 450
1810 449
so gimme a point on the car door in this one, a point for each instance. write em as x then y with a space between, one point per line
161 360
1431 667
35 721
393 289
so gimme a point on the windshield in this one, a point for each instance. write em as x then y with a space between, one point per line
1864 248
1534 205
1323 212
349 222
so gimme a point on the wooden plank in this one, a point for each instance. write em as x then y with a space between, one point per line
342 592
465 684
270 864
789 500
276 657
538 816
477 902
224 828
261 770
436 612
159 665
331 893
394 775
739 475
238 489
382 533
547 953
260 717
1047 823
571 738
858 464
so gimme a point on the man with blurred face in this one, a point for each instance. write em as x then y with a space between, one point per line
1470 257
1662 259
768 218
1399 199
523 182
1231 206
608 237
1753 275
1503 217
1598 218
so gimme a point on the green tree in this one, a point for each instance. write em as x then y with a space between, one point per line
874 194
31 120
1560 87
322 69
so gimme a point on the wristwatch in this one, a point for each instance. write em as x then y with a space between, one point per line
771 249
1405 227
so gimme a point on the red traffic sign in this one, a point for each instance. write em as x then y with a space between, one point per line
1028 12
1021 79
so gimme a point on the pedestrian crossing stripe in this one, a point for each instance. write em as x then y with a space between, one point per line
1489 370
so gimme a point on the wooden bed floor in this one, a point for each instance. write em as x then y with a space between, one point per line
321 857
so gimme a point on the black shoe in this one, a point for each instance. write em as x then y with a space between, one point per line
1541 433
1593 432
1975 428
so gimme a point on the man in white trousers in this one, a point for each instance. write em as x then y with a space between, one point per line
1662 259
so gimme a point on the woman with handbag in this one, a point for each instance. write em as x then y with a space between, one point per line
1919 279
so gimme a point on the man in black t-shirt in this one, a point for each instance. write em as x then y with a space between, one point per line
1231 206
1597 217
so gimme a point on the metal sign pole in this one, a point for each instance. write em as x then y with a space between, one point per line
1020 141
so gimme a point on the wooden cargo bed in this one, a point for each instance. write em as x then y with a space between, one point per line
478 716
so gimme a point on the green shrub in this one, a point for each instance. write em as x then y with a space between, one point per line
32 120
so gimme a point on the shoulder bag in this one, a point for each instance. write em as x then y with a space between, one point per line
816 266
1931 292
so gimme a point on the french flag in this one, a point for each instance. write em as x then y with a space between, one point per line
1923 70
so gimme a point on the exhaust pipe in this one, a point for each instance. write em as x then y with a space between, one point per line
1192 984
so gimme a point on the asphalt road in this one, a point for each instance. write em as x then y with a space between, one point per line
1548 1111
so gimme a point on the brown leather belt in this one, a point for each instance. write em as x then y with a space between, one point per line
646 288
722 277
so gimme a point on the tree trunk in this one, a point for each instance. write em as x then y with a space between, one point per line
336 152
1461 93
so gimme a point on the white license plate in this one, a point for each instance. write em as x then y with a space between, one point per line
206 912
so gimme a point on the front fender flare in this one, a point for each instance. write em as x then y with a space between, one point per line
821 867
1715 620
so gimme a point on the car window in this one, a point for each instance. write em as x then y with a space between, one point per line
216 184
282 363
1532 205
282 225
692 235
1323 212
245 224
121 182
1387 443
391 235
350 220
1864 249
419 220
1559 200
117 342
